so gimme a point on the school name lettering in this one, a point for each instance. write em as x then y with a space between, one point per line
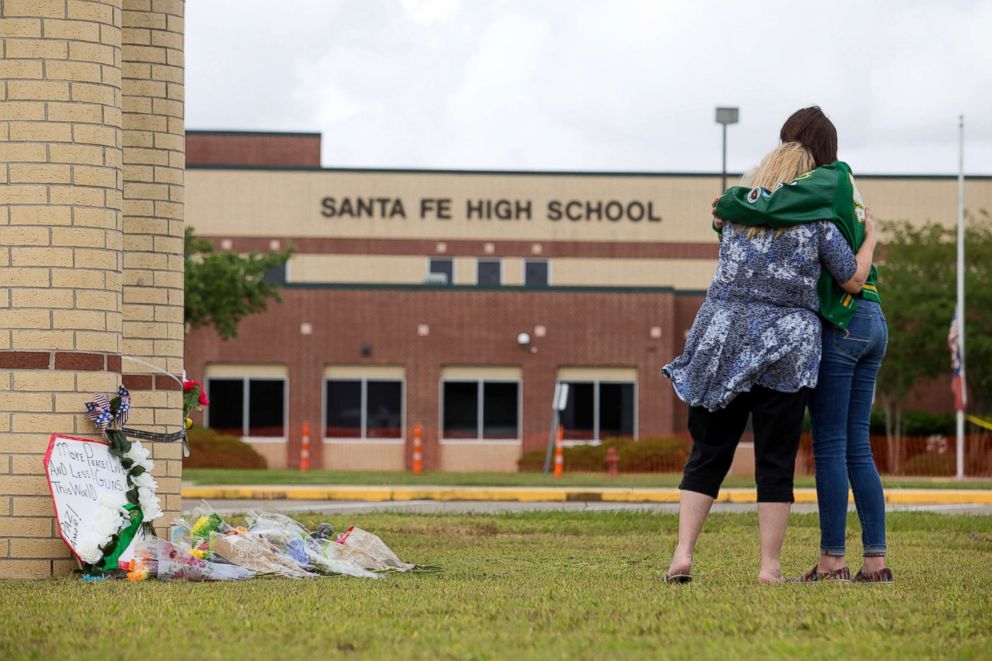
485 210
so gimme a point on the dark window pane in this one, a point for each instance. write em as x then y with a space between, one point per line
344 409
616 409
442 265
265 407
536 273
384 409
489 273
226 411
461 412
276 275
578 416
499 410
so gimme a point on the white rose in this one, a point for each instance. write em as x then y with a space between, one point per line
151 507
138 453
145 480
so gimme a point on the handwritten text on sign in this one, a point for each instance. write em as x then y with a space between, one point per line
79 472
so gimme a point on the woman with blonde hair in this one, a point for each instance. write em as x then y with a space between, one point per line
855 335
754 350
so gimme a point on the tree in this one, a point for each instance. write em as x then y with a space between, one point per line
917 282
224 287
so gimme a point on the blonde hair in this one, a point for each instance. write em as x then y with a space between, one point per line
781 166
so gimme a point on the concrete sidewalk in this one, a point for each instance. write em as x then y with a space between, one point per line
544 494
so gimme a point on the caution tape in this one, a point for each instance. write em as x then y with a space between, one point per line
975 420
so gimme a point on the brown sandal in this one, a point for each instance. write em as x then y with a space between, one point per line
883 575
842 575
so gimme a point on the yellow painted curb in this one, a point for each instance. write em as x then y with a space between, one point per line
547 494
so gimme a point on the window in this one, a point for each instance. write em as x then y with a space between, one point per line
440 271
247 406
364 408
599 409
485 410
536 273
489 273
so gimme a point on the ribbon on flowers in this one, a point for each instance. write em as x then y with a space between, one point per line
99 410
112 560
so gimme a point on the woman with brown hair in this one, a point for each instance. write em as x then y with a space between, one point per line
854 339
754 350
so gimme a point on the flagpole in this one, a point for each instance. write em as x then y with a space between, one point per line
960 306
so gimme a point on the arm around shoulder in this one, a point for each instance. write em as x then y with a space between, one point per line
863 257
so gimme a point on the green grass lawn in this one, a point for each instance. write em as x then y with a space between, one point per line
541 585
277 476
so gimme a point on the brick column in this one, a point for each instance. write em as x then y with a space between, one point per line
154 163
60 251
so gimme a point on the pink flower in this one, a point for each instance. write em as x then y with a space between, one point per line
203 398
189 385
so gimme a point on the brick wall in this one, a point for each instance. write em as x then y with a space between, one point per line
61 249
585 329
153 227
243 148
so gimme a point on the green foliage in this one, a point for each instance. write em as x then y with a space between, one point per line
917 282
208 449
648 455
541 585
224 287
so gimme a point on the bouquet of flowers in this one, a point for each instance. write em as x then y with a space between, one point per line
194 399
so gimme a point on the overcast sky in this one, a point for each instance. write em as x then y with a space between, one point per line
596 84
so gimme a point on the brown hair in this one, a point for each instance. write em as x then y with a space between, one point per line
811 128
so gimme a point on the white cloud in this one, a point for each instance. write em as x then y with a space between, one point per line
587 84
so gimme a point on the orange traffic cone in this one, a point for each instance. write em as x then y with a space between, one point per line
560 452
418 457
305 448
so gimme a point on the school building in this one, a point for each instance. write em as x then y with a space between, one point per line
457 300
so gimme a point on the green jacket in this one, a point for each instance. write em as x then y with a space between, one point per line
826 193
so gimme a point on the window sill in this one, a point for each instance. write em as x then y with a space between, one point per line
364 441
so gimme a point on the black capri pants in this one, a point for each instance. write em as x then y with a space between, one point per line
778 426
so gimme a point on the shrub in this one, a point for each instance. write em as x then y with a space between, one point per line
933 464
916 423
663 455
208 449
652 455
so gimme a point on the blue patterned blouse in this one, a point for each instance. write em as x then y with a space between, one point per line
759 322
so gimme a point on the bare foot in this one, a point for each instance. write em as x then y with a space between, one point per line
769 577
873 564
681 564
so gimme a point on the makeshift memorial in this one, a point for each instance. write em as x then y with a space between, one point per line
367 550
115 475
170 562
302 546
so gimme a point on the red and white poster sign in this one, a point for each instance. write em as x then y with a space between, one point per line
81 474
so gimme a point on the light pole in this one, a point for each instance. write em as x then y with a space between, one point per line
725 116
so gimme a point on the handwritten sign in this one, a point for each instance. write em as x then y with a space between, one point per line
80 471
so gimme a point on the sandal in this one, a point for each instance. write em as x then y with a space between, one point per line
883 575
678 578
842 575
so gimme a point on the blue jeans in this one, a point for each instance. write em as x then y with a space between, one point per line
840 409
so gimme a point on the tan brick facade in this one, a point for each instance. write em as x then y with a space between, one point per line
63 142
154 161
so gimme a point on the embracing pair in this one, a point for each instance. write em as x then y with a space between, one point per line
792 319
